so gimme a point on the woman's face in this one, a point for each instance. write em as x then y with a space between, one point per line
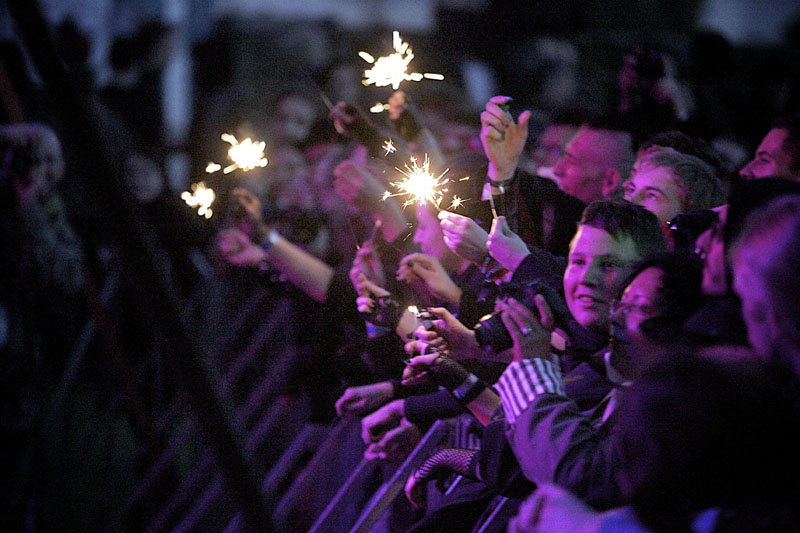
641 300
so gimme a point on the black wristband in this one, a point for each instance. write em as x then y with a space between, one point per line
468 390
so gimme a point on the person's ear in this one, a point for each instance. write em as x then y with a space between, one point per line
611 182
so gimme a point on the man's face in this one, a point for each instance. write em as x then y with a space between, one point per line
657 190
581 171
292 120
597 265
641 300
770 161
710 246
550 147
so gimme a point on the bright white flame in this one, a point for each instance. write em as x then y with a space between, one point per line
419 184
392 69
245 155
379 108
201 197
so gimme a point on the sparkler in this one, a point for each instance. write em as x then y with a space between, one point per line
201 197
421 186
393 69
245 155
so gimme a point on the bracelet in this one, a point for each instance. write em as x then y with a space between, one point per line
468 390
272 238
500 184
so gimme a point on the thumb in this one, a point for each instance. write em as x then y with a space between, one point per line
523 119
372 288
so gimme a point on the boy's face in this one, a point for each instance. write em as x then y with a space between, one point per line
657 190
597 266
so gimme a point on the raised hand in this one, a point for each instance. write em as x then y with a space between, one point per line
502 138
246 209
356 186
531 335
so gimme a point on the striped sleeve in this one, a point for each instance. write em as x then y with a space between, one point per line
523 381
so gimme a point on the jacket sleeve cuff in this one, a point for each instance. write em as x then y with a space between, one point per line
524 381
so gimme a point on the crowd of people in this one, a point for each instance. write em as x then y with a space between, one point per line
612 308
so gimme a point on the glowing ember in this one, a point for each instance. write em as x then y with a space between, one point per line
457 202
419 184
393 69
245 155
389 147
201 197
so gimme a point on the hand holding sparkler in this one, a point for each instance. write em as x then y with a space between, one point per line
505 246
351 121
464 236
246 210
366 264
503 139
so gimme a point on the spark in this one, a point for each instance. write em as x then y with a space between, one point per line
201 197
389 147
246 155
419 184
457 202
393 69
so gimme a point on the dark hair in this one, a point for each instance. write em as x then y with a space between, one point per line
695 433
748 196
681 280
624 219
791 145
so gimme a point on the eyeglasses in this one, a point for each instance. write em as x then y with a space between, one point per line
626 308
